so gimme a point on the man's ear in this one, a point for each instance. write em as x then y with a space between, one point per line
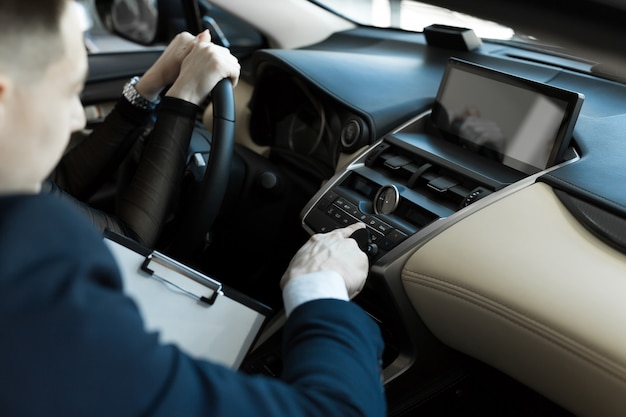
3 97
6 84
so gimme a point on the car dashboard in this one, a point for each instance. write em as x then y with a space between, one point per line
469 257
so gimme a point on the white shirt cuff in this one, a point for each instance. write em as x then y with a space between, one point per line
313 286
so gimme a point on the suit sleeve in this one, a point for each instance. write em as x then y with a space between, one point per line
75 345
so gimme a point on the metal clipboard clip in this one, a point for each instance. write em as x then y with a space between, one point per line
182 278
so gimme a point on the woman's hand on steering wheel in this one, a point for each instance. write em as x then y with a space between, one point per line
204 66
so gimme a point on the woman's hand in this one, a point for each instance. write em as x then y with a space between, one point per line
167 67
203 67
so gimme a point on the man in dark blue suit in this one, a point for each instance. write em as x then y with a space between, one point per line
72 344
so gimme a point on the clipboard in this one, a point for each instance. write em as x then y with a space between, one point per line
187 308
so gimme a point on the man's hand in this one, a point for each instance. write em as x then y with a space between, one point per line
332 251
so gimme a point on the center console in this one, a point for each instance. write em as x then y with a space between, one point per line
487 129
405 182
428 171
486 134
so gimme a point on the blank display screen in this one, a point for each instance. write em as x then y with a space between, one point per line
523 124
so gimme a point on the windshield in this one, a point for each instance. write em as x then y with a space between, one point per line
412 16
595 47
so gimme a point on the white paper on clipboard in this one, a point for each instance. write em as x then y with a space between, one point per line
187 308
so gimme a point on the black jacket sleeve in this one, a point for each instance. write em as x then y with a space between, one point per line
144 202
90 163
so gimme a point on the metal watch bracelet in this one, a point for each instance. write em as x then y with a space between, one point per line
133 96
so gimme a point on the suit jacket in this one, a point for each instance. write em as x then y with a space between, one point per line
72 344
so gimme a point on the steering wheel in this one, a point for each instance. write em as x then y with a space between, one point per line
207 202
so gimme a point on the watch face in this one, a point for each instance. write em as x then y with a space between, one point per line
386 200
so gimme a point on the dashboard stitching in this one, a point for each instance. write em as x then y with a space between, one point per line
586 190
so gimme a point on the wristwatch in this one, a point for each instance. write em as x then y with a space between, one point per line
135 98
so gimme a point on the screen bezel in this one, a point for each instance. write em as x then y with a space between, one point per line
560 142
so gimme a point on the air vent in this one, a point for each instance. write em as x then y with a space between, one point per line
442 184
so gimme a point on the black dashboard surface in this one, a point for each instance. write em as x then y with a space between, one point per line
389 80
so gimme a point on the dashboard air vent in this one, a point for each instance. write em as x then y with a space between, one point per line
442 184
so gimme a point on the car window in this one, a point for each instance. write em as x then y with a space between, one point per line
226 29
230 31
97 38
412 16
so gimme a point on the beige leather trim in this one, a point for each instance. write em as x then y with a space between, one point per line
521 285
275 19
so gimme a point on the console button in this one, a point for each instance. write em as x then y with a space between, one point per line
331 196
386 244
362 217
378 225
396 236
346 206
375 237
323 204
339 216
319 222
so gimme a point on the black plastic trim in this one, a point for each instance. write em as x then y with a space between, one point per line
607 226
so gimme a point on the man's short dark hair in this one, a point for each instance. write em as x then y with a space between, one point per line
30 38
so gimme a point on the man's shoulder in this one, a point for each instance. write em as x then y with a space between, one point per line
42 237
27 204
45 222
40 208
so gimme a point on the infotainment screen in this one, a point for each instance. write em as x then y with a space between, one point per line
523 124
